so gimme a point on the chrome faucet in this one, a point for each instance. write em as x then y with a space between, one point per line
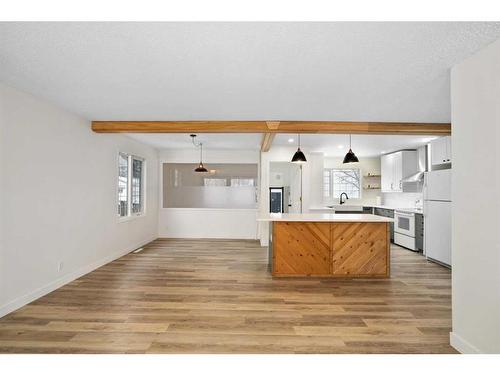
346 198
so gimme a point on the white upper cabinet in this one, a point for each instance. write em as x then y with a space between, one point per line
395 167
397 174
441 151
386 171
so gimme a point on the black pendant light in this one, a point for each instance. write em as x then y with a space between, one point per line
201 168
299 156
350 157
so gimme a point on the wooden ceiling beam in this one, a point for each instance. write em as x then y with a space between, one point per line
268 138
267 141
321 127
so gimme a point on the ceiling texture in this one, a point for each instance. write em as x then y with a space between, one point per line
332 145
242 71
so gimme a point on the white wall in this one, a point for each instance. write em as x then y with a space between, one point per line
475 98
207 222
402 200
58 198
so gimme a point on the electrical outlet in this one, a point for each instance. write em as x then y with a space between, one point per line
60 266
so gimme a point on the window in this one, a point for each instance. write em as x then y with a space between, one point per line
215 182
338 181
130 185
137 186
122 185
242 182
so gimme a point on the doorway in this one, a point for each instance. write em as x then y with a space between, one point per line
287 177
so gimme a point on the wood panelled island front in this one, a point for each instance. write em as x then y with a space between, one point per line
329 245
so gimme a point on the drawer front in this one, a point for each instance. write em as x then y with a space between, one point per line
368 210
419 242
419 231
419 223
405 241
384 212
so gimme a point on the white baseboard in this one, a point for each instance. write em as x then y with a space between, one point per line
53 285
463 346
204 236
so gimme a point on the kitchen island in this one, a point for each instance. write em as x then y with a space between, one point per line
329 245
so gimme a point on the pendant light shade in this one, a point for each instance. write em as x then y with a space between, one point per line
299 156
350 157
201 168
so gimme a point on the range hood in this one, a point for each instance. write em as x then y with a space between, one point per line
417 177
422 166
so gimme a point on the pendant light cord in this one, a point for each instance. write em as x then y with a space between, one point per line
198 144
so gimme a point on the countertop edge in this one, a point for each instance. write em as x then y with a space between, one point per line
332 218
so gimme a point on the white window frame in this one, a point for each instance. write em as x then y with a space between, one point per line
331 196
327 192
130 159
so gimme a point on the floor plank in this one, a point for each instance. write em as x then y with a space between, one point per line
216 296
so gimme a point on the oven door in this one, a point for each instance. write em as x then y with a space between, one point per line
404 223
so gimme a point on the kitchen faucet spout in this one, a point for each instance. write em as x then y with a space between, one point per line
346 198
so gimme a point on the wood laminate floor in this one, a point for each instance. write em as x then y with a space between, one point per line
216 296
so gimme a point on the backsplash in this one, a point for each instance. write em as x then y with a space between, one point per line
402 200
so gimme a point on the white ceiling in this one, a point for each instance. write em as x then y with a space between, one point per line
333 145
336 145
242 71
213 141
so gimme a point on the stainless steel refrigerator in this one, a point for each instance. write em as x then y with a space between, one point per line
437 216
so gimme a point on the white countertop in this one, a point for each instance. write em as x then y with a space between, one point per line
343 218
347 207
387 207
324 208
